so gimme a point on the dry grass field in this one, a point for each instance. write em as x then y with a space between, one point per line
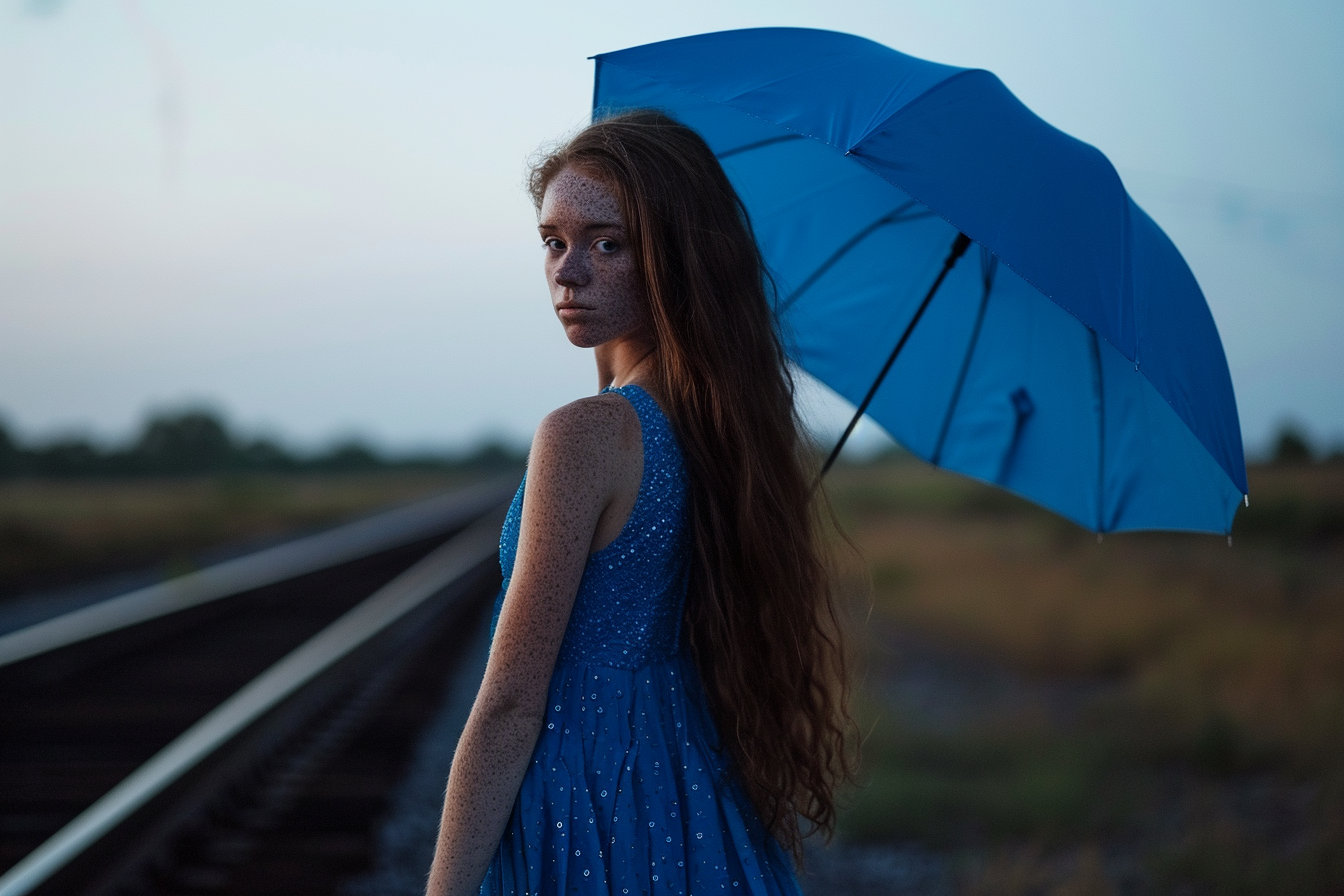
55 531
1041 713
1152 713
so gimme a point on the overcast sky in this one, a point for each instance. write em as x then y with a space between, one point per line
310 214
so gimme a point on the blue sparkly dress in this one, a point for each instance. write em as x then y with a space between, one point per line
628 792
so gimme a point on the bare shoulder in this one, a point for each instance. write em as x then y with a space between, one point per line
597 426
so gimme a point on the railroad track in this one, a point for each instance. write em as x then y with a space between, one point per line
238 730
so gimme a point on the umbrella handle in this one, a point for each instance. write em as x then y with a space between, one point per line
959 247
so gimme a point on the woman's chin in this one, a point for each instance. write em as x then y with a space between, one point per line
579 337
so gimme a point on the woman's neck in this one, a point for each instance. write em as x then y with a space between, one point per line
622 362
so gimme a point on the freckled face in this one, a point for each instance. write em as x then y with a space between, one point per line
589 264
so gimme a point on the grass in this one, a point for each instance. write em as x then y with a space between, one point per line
57 531
979 787
1200 744
1201 668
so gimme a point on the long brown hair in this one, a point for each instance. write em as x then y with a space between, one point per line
761 616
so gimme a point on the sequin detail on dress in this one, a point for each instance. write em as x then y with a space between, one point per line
627 792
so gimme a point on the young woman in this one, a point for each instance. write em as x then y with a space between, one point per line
663 706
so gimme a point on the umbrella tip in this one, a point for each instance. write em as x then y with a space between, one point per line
1248 500
1229 541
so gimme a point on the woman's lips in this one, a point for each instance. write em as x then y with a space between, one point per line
564 311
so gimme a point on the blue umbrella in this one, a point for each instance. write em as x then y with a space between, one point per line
977 281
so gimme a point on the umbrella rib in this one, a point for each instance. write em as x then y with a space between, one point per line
958 249
1099 387
759 144
989 266
895 216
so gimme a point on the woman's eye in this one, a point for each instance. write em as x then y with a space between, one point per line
553 244
607 246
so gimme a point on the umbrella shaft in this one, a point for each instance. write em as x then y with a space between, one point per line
959 246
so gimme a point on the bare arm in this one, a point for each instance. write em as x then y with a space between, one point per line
580 460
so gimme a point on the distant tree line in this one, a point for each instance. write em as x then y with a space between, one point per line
196 442
1293 446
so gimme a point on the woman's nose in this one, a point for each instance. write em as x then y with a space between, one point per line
572 270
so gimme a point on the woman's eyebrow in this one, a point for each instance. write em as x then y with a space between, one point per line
596 225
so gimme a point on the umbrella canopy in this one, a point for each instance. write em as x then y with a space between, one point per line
1069 356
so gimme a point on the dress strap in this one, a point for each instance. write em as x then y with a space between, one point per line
653 423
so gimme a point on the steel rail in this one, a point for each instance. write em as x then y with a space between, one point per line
394 601
311 553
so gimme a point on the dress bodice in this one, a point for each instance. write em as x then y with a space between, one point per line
627 612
